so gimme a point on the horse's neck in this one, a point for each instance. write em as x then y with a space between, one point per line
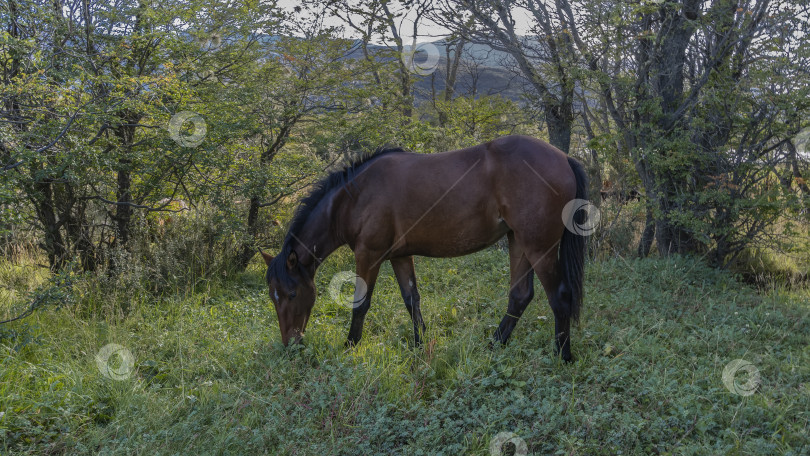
321 235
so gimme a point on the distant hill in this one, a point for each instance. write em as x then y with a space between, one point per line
483 71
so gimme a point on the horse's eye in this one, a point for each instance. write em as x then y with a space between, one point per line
292 294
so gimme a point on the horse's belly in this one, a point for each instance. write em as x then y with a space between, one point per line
451 239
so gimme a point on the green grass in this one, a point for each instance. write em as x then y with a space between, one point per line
210 376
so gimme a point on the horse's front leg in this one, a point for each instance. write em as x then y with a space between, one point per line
406 278
367 271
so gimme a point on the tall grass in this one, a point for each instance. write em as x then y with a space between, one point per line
210 376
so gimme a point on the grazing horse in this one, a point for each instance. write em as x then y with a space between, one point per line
394 204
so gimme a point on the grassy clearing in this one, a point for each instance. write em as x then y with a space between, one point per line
210 377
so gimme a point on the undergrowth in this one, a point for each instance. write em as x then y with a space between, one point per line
209 375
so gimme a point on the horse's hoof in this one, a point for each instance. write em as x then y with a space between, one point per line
567 358
495 343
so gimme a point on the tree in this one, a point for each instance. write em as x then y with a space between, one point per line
547 59
88 92
385 20
689 99
305 80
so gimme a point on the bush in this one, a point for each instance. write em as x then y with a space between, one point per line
171 250
619 229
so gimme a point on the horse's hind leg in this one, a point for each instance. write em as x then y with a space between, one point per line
521 290
406 277
546 267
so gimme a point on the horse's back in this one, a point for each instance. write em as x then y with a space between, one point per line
506 169
526 150
503 153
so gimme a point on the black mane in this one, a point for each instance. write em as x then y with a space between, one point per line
335 180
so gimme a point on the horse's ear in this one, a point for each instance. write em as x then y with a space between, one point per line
292 260
267 257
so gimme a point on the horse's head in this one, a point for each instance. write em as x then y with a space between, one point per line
293 292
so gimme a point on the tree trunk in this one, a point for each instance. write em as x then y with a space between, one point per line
54 244
407 97
451 75
76 227
793 158
672 238
248 249
123 212
647 235
559 119
123 209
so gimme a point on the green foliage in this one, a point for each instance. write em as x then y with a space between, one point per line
473 120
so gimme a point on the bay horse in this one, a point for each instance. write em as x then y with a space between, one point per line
395 204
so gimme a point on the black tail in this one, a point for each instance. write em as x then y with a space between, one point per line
572 247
